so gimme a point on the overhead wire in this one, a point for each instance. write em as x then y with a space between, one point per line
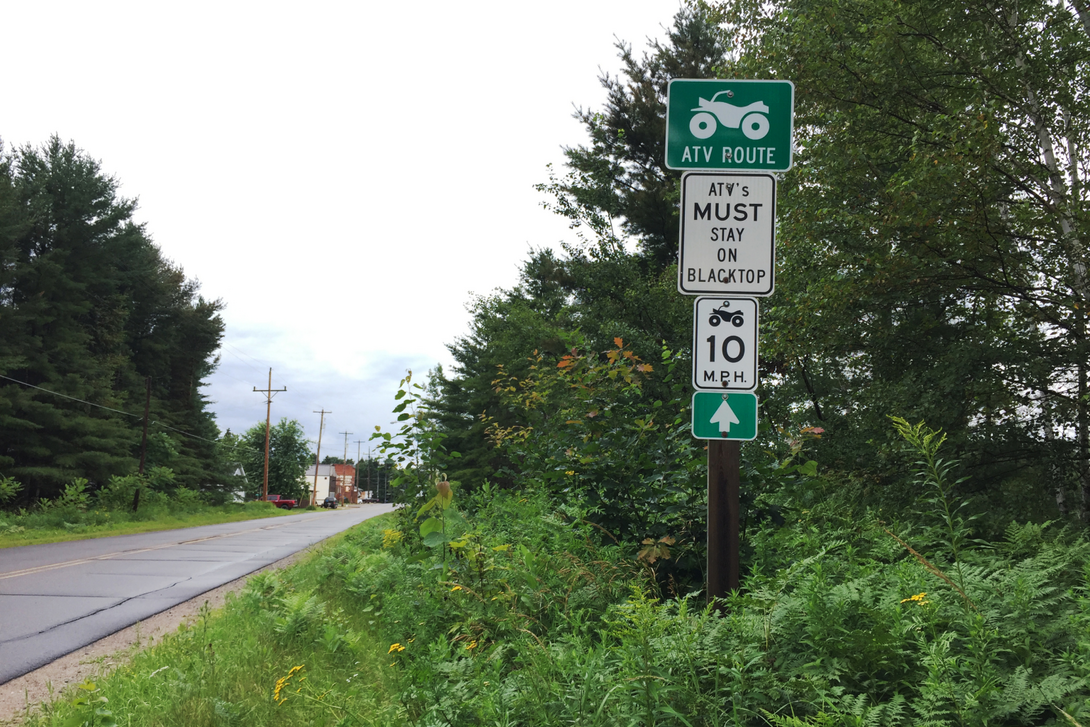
107 408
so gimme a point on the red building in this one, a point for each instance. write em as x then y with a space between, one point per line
346 483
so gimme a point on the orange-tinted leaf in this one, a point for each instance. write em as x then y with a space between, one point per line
618 342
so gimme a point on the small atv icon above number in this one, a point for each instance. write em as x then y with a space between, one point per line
751 119
722 314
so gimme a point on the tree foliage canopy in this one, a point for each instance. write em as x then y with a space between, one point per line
931 240
89 307
932 234
289 457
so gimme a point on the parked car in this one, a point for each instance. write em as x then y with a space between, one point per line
282 502
330 502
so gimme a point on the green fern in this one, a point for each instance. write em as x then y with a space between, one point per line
299 613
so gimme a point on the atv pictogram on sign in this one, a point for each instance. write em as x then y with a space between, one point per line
751 119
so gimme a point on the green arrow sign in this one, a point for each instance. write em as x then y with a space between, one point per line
719 124
724 416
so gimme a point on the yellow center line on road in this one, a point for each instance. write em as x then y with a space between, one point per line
107 556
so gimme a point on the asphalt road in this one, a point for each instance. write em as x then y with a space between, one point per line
59 597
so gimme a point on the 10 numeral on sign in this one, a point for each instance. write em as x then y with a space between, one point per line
726 349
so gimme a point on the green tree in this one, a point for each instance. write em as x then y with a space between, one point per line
619 185
289 457
932 234
614 190
88 309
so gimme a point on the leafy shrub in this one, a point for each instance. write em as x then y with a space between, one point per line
118 493
9 489
521 617
186 500
73 498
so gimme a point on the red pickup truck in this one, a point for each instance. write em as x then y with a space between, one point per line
282 502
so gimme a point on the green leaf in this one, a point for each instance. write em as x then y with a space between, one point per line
432 540
431 525
809 469
426 506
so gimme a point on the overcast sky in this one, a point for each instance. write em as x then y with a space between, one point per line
345 176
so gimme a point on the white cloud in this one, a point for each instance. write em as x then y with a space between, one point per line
343 175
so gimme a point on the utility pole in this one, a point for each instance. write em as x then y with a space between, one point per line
143 441
317 455
356 484
344 462
346 445
269 393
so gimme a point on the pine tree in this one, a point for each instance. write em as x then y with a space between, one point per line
89 308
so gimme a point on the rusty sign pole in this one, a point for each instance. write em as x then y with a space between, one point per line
724 475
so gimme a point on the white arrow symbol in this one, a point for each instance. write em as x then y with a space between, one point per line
724 416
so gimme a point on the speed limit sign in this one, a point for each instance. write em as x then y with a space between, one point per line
725 344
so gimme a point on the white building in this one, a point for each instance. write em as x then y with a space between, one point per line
327 483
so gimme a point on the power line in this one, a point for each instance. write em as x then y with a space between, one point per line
66 396
107 408
239 353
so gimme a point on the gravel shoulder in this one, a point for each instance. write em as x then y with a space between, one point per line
27 694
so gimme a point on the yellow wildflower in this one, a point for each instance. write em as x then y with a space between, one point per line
395 647
456 588
918 598
391 538
283 682
472 645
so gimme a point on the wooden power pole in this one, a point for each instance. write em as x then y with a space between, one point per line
356 480
143 441
724 459
317 456
344 462
269 393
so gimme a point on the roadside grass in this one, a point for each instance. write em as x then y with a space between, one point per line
512 608
293 648
104 523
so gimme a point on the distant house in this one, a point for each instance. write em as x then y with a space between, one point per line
327 483
240 494
346 483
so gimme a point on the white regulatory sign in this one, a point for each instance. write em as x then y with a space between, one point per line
725 344
728 227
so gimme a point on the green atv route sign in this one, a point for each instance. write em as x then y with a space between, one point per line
729 124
